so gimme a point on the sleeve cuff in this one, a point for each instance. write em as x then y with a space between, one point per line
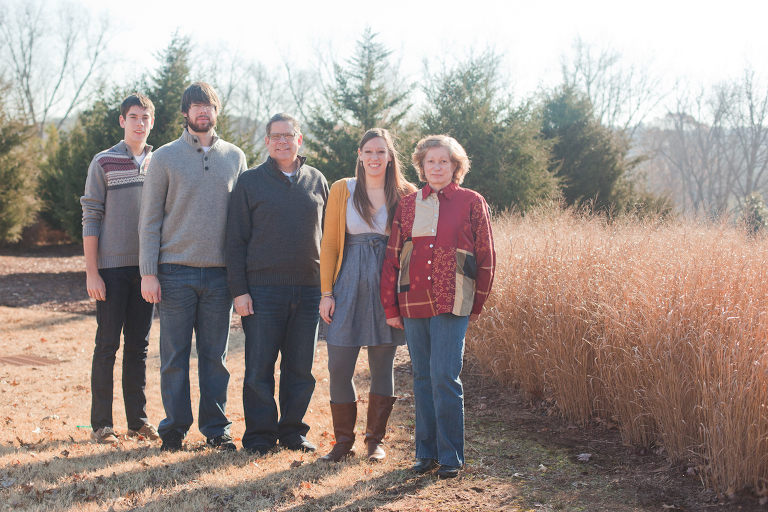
238 289
392 312
148 269
91 230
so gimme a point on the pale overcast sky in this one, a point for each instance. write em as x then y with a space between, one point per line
705 41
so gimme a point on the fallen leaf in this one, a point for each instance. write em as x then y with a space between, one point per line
584 456
306 485
296 463
7 483
662 469
543 468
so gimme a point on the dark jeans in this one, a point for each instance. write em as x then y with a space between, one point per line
194 299
285 320
124 311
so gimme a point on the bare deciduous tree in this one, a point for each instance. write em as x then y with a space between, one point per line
52 57
623 95
745 106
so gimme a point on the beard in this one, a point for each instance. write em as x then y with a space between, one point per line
203 126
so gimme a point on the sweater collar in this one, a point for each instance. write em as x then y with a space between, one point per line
122 147
273 165
447 191
194 141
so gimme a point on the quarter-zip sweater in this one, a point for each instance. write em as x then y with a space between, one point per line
274 228
185 201
115 178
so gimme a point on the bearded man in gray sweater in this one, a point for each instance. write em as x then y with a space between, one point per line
182 231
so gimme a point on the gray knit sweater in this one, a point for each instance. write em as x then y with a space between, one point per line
115 179
185 201
275 227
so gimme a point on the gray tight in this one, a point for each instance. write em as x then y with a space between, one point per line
341 366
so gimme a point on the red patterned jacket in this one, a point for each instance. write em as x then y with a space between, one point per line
440 256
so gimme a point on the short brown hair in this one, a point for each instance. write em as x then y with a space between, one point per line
456 153
137 100
288 118
200 92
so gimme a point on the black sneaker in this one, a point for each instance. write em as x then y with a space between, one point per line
172 441
258 451
303 446
222 442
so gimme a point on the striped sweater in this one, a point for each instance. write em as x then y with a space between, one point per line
115 179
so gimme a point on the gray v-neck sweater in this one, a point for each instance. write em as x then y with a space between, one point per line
185 201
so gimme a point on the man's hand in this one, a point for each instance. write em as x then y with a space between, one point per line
244 305
327 307
150 289
95 285
473 317
397 323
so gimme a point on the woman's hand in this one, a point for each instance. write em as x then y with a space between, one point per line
244 305
327 307
397 323
473 317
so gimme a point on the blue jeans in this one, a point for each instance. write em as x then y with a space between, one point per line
436 346
124 311
194 298
285 320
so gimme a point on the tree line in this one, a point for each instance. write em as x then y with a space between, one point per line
584 141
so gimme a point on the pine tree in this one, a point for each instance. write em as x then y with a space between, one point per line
363 96
168 85
509 158
588 157
18 172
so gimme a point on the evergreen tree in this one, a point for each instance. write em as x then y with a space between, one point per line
509 158
588 158
69 154
168 85
362 97
18 173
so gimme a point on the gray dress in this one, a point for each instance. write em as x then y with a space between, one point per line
359 319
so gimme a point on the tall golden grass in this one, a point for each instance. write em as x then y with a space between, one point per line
659 327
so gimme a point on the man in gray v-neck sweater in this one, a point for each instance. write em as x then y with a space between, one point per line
182 262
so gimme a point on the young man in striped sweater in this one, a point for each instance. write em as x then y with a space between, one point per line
111 207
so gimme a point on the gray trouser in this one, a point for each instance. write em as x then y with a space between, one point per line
341 366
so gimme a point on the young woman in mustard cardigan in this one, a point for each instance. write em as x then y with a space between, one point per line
358 219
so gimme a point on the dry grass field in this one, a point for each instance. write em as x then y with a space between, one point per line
522 455
657 327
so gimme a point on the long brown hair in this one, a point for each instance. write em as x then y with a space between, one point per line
395 184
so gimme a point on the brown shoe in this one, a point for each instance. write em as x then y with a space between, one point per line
344 418
104 435
379 409
147 431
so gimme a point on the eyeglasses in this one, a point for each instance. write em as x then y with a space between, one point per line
202 106
288 136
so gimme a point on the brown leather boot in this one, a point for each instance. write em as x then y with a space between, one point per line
344 418
379 408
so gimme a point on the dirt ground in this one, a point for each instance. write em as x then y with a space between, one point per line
520 454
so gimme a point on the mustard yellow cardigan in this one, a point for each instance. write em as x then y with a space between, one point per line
334 232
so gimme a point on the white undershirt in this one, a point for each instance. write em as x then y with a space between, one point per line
140 158
205 148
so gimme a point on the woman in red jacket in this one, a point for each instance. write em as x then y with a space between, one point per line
437 274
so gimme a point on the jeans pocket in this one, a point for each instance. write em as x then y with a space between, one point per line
168 268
